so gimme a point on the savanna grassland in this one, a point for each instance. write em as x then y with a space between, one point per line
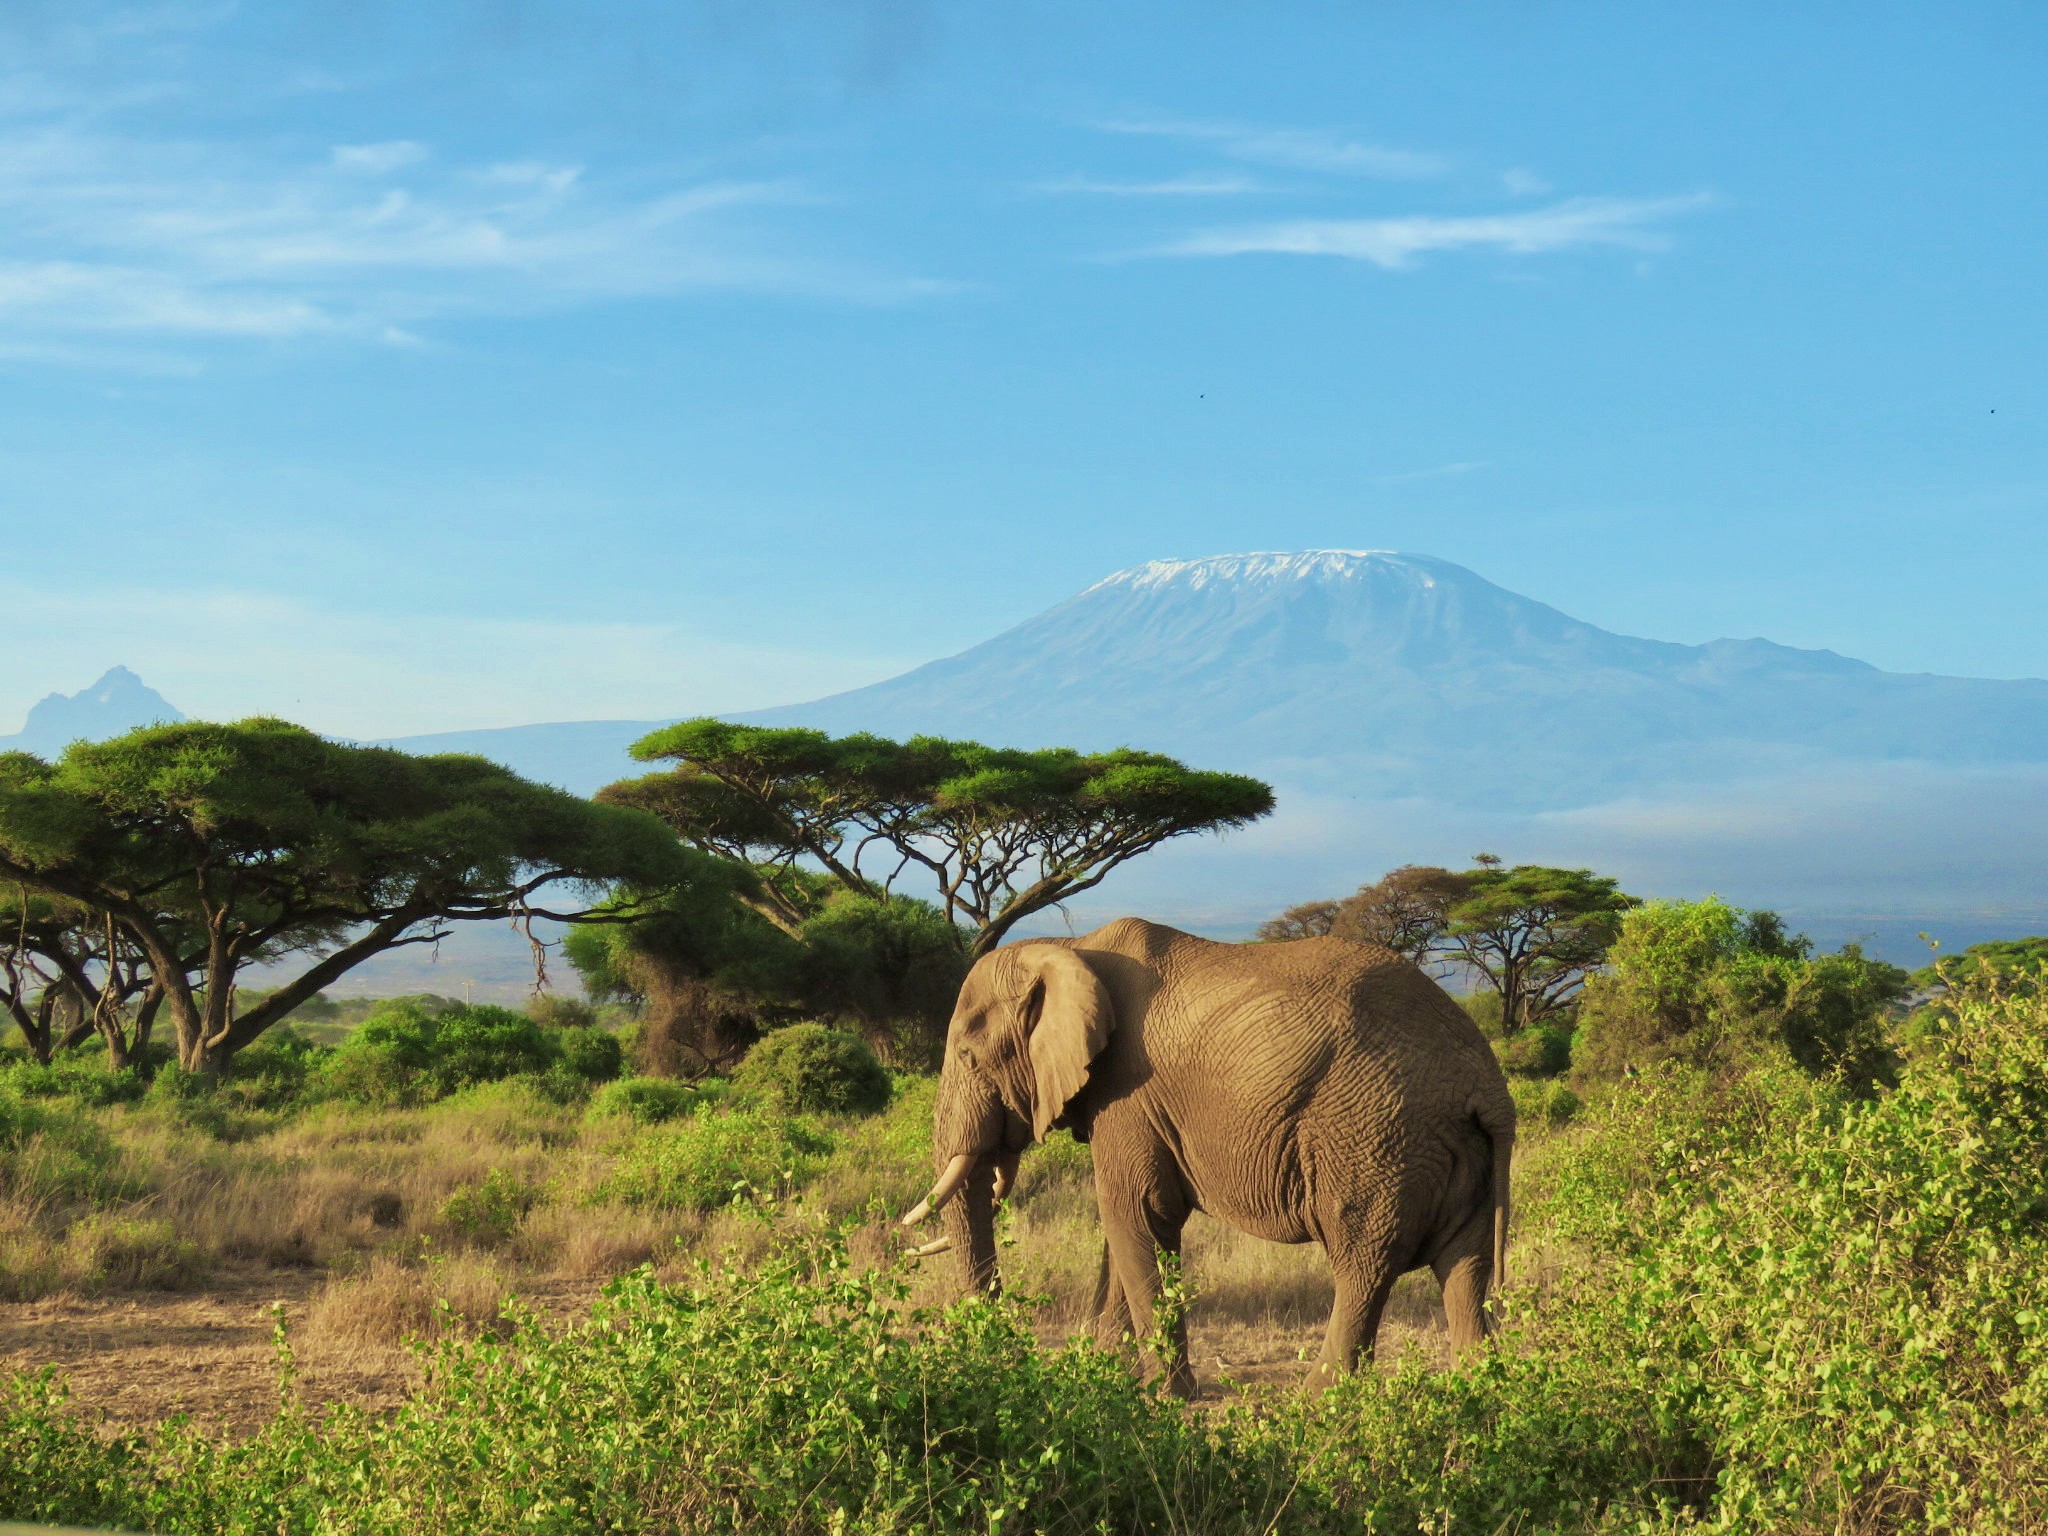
1780 1254
1748 1296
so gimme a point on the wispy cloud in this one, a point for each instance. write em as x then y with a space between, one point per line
1294 149
113 235
1393 243
378 159
1193 185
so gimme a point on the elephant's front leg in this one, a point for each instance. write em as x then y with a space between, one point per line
1144 1207
1112 1317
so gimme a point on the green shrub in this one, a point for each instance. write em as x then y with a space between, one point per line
51 1151
414 1051
558 1012
388 1059
478 1043
715 1160
197 1101
592 1054
1543 1104
275 1072
1541 1050
645 1100
489 1211
55 1467
1707 985
82 1078
1839 1298
809 1068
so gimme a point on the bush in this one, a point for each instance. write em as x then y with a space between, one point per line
275 1072
558 1012
592 1054
1543 1104
1839 1299
808 1068
487 1212
51 1152
481 1044
1707 985
1541 1050
388 1059
645 1100
82 1078
716 1160
197 1101
414 1051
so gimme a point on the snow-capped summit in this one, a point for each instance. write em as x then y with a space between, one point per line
1275 566
1407 675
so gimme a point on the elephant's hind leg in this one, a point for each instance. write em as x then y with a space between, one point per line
1464 1268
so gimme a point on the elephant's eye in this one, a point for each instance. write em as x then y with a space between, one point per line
967 1055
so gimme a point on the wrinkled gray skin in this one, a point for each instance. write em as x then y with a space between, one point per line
1312 1091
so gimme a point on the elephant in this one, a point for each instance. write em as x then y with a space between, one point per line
1313 1090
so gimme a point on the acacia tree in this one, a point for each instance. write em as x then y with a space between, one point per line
211 847
1408 910
1000 833
46 958
67 972
1304 920
1533 933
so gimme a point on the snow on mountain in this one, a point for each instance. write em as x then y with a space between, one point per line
120 701
1400 675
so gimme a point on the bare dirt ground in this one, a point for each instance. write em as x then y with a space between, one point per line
141 1358
144 1357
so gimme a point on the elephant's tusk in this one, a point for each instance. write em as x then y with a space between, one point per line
1006 1175
947 1187
939 1245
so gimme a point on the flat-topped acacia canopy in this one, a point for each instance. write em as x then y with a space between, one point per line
1002 832
212 845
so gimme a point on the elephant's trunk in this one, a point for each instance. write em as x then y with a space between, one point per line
971 1228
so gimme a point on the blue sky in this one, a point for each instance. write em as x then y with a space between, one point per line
403 367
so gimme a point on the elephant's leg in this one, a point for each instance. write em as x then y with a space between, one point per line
1464 1268
1364 1274
1112 1317
1142 1219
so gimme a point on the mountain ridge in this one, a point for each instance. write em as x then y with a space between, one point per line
116 702
1409 711
1409 671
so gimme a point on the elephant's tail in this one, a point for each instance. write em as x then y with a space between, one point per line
1503 1158
1498 1121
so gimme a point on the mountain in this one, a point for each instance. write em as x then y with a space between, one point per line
120 701
1408 710
1402 676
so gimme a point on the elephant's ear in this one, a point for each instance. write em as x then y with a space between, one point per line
1070 1018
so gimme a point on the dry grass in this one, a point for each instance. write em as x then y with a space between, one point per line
350 1202
391 1299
